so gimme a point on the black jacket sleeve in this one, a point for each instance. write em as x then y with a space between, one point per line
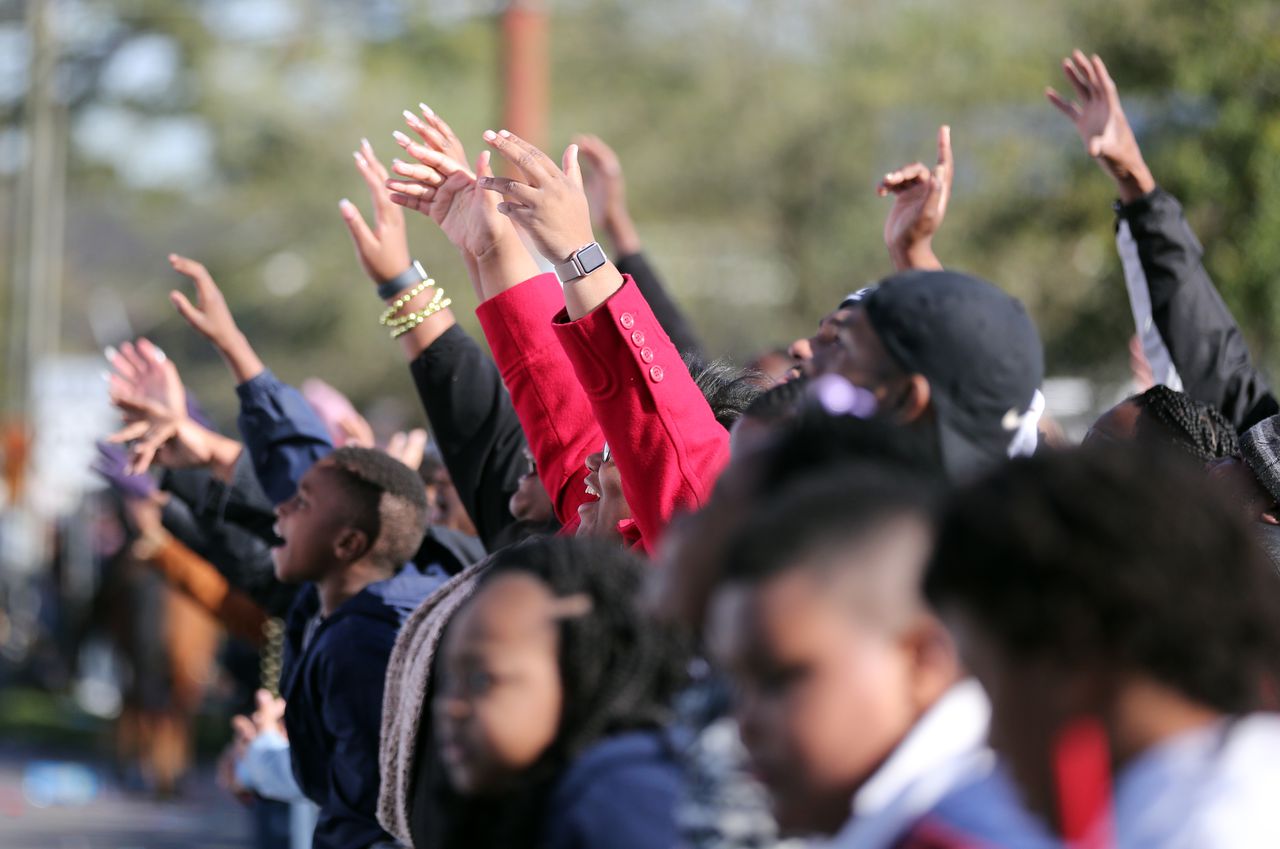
1203 338
228 524
664 309
475 426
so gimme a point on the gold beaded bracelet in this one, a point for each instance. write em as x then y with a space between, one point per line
399 302
413 319
402 320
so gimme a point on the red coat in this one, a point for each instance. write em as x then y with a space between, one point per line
613 376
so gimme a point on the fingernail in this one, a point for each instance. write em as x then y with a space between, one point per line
397 161
360 158
401 137
490 135
426 110
410 117
110 352
160 355
503 133
105 375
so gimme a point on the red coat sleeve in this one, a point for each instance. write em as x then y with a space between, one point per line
555 413
666 441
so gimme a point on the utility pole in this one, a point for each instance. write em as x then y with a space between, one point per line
35 303
525 73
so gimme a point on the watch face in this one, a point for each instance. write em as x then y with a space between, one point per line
591 257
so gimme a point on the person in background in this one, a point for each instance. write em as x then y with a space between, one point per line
1189 336
1066 579
1164 416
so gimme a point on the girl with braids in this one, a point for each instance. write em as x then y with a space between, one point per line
1166 417
550 692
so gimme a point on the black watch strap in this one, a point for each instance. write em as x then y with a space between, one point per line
411 276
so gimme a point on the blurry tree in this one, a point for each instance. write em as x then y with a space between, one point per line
752 134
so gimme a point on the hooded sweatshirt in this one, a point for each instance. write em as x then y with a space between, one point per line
332 683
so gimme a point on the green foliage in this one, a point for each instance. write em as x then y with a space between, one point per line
752 135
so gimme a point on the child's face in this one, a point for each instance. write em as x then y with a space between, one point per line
823 694
311 523
498 694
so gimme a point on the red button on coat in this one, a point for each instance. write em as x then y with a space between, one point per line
638 338
646 354
656 374
628 320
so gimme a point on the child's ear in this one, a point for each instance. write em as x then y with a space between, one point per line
350 545
935 663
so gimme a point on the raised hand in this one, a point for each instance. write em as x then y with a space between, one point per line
383 249
1102 125
409 448
607 194
439 158
211 317
919 206
137 370
550 204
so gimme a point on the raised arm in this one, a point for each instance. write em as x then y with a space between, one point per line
1179 314
667 444
460 389
517 305
282 433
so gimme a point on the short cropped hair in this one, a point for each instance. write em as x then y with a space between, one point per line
822 514
1115 557
388 502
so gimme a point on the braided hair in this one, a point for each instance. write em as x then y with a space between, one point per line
619 670
1198 429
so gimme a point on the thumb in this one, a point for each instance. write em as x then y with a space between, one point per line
1095 146
570 163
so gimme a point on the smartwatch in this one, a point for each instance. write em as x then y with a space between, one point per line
411 276
580 263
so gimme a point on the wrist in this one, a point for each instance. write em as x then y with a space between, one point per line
1135 183
915 256
224 453
240 357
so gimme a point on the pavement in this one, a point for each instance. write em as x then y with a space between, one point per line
48 802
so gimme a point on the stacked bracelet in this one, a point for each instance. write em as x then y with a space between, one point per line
402 320
402 324
413 319
399 302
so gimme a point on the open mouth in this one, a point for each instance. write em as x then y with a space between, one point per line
277 540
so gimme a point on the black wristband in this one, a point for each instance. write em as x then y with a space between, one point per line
411 276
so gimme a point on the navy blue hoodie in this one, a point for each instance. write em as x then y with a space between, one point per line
333 695
619 794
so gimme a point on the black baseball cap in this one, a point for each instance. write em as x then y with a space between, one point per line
978 349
